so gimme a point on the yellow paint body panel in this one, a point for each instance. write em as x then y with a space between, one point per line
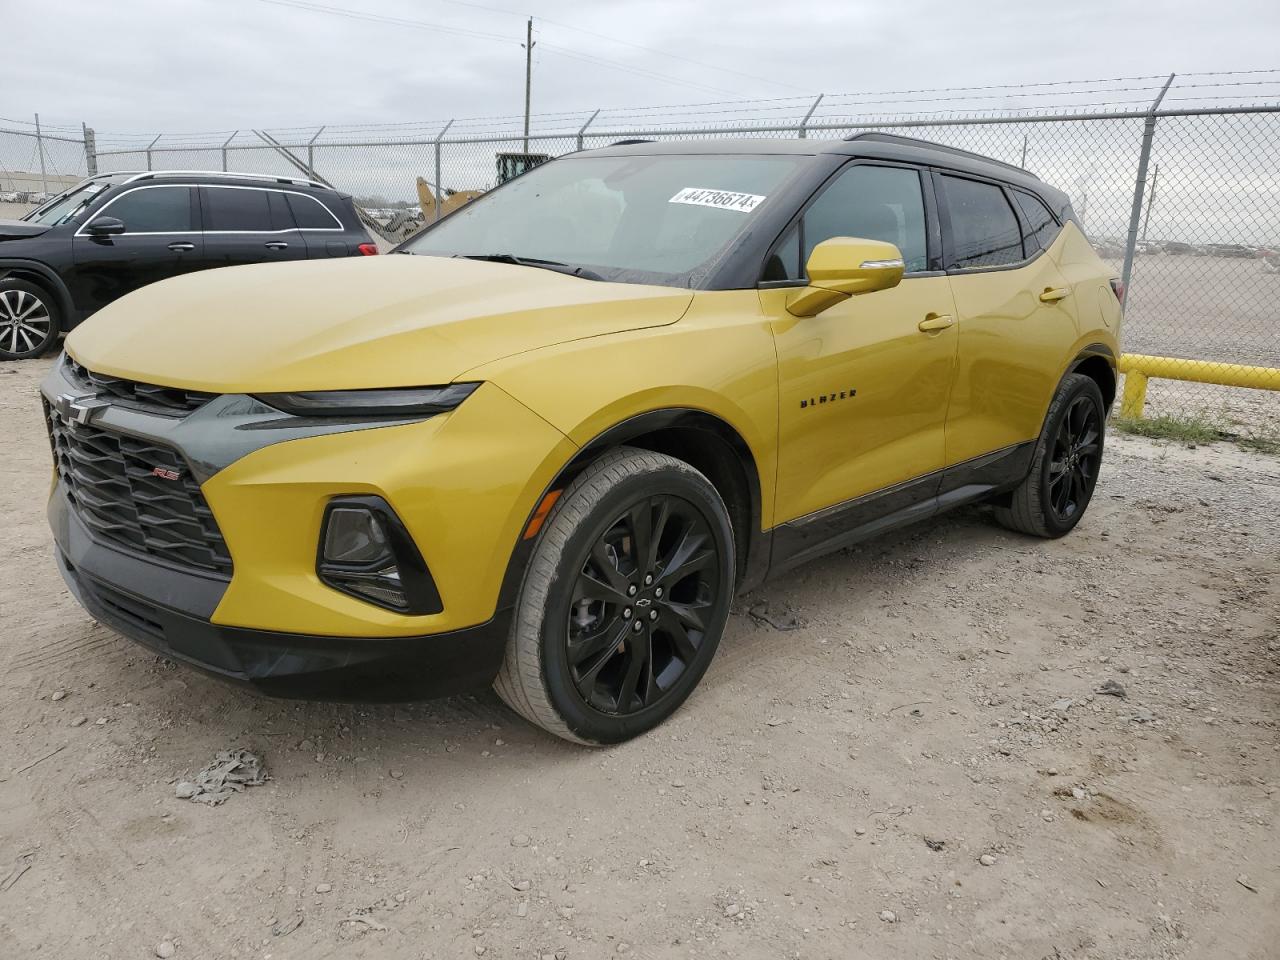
352 322
835 448
463 483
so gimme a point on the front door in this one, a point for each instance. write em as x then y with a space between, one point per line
161 239
863 389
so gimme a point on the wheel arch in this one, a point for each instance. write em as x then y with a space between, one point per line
33 271
1098 363
706 442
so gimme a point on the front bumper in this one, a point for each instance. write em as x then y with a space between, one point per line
125 593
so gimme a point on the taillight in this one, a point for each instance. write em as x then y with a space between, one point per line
371 250
1117 287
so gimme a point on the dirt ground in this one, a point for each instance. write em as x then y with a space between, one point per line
921 769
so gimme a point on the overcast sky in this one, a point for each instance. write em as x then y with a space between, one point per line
133 66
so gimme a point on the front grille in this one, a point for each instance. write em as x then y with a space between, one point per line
140 396
110 482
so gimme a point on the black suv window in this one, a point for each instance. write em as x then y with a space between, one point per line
1042 228
237 209
311 214
984 230
152 210
872 202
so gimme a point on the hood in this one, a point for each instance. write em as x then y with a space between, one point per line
18 229
353 322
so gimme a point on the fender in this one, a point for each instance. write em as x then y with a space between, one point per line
1093 360
669 424
49 279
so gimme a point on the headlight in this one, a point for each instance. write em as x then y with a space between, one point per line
365 551
390 402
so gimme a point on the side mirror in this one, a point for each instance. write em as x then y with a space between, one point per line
106 226
841 267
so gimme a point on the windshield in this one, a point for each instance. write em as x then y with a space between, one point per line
640 219
66 205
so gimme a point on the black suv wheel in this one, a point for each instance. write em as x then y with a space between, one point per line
624 601
1064 470
29 320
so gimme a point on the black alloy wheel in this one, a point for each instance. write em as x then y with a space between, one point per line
1076 457
639 608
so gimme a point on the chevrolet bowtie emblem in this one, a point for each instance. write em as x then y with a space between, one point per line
80 409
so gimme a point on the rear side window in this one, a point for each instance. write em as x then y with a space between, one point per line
237 209
1041 227
311 214
984 230
874 203
153 210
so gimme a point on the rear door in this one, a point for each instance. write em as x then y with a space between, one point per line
161 239
1016 319
248 225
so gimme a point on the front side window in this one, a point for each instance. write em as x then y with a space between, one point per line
1042 228
872 203
153 210
984 230
236 210
865 201
663 219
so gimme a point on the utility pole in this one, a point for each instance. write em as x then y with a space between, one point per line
1151 201
528 77
44 180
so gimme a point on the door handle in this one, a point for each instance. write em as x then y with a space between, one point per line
181 246
276 245
935 322
1054 294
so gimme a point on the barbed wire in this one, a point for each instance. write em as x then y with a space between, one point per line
1215 88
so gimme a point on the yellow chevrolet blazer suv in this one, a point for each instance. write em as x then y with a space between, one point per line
544 443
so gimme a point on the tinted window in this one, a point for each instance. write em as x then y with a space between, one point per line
1040 223
984 230
236 208
310 214
784 262
153 210
875 203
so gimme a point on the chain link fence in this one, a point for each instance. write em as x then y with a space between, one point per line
1190 196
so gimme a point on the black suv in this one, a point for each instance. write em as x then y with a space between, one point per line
116 232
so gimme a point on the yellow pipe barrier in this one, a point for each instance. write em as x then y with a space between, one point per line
1137 369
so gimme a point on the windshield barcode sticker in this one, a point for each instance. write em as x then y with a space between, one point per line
724 199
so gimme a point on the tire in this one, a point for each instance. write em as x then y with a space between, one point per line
605 645
29 320
1064 469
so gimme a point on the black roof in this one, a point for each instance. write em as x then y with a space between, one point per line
873 145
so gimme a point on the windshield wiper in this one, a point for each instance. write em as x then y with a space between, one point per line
555 265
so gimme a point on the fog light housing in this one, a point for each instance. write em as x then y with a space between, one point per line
366 552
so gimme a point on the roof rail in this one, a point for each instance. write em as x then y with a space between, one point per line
941 147
629 143
157 174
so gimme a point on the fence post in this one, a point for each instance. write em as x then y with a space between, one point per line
805 122
44 179
149 146
90 150
439 188
224 149
1140 184
582 132
311 155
